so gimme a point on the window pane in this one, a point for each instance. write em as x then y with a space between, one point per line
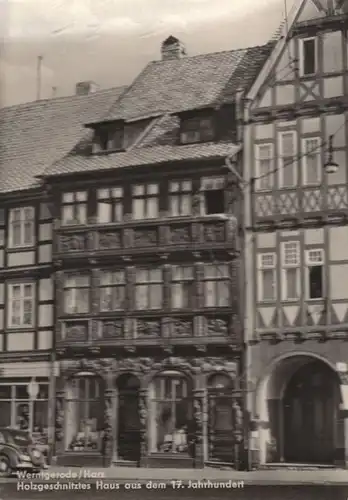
141 296
223 295
82 300
68 197
68 214
155 297
104 212
268 284
174 206
81 196
103 193
315 282
16 234
152 189
16 313
27 312
210 294
152 208
291 283
138 209
118 211
138 190
28 233
81 214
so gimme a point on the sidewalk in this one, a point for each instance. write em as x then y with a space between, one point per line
259 477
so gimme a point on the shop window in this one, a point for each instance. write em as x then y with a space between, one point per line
84 413
171 414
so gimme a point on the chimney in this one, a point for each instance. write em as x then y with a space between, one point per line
172 48
85 88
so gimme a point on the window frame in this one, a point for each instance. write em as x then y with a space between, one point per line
216 281
259 176
194 126
146 196
22 226
305 155
73 296
149 283
282 159
308 265
180 282
22 298
260 268
218 183
180 194
284 268
74 203
302 56
112 286
112 199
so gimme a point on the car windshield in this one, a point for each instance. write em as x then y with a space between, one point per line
19 438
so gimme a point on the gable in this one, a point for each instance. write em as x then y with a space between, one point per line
313 9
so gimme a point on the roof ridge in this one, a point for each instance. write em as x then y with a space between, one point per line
62 98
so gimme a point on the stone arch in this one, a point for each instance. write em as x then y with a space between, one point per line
220 374
269 396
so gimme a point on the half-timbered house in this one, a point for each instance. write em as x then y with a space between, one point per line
147 269
296 249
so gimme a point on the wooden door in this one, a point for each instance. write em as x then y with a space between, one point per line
310 410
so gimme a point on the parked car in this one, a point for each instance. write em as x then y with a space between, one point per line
18 452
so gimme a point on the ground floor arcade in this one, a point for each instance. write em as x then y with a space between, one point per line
299 408
173 412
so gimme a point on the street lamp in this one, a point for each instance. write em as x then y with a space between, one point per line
330 166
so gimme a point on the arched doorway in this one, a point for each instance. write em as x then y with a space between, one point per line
128 429
221 446
310 409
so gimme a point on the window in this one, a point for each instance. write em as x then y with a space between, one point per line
21 227
308 55
112 291
19 410
145 201
85 413
110 205
180 198
291 270
108 139
315 270
288 164
216 285
182 291
148 289
267 276
171 414
21 305
74 208
264 167
213 201
76 295
311 161
197 130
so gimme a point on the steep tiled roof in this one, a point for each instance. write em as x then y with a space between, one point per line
189 83
35 135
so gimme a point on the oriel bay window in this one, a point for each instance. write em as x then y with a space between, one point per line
112 290
216 282
182 289
315 273
23 412
110 205
145 201
148 288
84 413
76 294
21 302
180 198
21 227
170 413
291 270
74 208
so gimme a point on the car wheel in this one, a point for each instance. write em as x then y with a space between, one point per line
5 467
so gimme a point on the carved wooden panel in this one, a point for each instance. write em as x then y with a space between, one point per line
148 327
145 237
213 232
110 240
75 331
216 327
180 235
112 329
181 327
73 243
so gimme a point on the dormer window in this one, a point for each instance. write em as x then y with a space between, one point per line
108 139
197 129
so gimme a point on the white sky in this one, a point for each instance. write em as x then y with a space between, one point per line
110 41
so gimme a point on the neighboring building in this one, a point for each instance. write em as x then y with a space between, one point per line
147 269
32 136
297 241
